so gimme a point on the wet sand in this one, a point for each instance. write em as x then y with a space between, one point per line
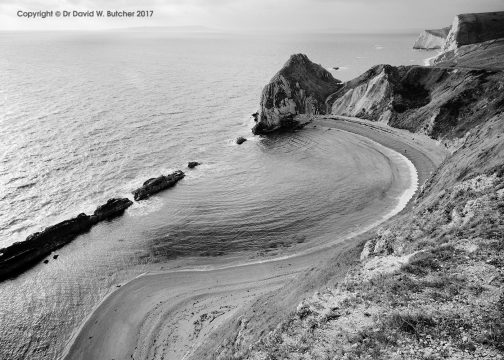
168 315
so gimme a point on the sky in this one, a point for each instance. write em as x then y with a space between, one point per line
249 15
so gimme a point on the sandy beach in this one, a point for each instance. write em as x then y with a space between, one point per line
168 315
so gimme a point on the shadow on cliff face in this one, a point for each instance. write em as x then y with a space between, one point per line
441 102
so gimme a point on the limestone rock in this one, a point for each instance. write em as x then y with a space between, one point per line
155 185
475 28
300 87
438 101
22 255
113 208
486 55
240 140
432 39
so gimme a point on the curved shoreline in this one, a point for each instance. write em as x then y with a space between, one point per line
145 292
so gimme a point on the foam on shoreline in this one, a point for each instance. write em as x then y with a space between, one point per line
402 202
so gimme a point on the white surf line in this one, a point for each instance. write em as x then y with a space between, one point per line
403 200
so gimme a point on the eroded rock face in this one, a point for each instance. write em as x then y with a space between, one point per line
300 87
369 96
155 185
380 94
437 101
432 39
475 28
485 55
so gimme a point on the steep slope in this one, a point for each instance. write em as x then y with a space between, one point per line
300 87
485 55
432 39
441 102
475 28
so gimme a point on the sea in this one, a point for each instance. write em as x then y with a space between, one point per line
87 116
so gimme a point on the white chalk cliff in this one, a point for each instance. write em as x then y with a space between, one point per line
432 39
474 28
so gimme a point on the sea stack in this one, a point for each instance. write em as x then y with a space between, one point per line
300 87
432 39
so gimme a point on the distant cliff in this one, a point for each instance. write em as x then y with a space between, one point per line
475 28
300 87
432 39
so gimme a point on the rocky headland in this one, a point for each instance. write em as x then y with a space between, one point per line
300 87
431 39
429 283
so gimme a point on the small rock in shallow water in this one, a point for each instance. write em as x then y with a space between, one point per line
192 164
240 140
55 257
46 261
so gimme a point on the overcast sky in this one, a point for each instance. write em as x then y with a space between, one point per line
252 15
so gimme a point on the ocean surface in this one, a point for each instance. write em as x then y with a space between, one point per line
86 116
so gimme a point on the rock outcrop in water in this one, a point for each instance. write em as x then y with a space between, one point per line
432 39
22 255
111 209
475 28
300 87
155 185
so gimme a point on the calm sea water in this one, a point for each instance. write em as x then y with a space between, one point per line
89 116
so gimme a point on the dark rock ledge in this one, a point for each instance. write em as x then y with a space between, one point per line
22 255
155 185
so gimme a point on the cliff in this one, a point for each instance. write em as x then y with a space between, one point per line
486 55
441 102
475 28
432 39
300 87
